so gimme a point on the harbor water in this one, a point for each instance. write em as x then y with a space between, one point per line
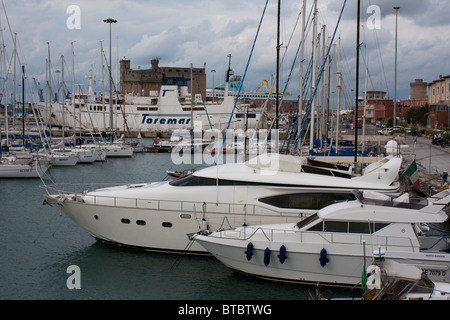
40 245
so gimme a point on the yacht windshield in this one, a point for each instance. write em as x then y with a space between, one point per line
192 180
308 220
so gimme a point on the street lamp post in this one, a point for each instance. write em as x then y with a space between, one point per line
395 81
110 21
213 72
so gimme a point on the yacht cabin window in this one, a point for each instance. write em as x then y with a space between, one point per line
313 201
191 180
348 227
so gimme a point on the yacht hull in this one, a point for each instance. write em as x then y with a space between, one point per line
152 229
22 171
303 262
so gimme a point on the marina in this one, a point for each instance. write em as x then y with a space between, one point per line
41 242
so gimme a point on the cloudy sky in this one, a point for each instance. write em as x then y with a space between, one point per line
204 32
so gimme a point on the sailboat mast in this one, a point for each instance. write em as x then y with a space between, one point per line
364 114
23 106
339 87
50 93
63 97
278 67
357 80
313 80
302 51
73 97
103 86
14 83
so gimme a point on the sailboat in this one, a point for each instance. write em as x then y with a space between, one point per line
13 167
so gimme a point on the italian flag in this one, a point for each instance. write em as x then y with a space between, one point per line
413 175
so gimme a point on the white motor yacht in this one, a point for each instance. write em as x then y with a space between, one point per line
332 247
266 189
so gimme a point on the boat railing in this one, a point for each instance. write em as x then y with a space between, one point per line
183 206
280 235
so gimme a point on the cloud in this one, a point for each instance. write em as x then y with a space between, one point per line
206 31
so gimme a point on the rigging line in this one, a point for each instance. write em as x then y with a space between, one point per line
307 26
292 34
369 76
293 124
380 56
117 96
296 58
320 74
243 78
301 44
203 100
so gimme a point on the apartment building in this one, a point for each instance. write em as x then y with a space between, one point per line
439 103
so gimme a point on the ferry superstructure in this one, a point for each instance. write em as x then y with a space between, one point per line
168 110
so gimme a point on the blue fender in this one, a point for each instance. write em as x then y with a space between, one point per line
282 257
249 252
323 258
266 257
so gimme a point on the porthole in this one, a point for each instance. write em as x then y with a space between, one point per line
167 225
185 216
126 221
141 222
96 217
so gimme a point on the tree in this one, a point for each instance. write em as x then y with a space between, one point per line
417 115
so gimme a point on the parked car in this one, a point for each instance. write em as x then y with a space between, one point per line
386 131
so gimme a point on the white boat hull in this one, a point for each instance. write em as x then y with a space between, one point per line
22 171
119 151
63 160
163 230
302 264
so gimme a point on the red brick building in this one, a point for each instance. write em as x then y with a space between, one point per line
378 106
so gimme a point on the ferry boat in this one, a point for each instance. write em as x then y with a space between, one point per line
165 111
161 216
